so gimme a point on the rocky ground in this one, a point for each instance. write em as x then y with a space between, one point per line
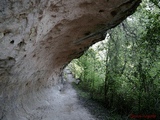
62 104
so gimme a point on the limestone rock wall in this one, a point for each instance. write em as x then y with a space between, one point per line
39 37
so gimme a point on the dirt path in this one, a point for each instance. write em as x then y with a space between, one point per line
58 105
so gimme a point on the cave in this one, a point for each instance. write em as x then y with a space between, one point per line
38 38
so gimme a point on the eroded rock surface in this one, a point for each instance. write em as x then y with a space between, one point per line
39 37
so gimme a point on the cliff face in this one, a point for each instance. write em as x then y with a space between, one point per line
39 37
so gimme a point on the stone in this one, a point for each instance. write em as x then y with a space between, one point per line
38 38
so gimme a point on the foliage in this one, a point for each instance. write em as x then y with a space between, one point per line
123 72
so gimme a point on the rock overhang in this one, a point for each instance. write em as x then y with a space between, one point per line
38 38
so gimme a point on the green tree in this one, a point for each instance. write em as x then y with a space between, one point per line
123 72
